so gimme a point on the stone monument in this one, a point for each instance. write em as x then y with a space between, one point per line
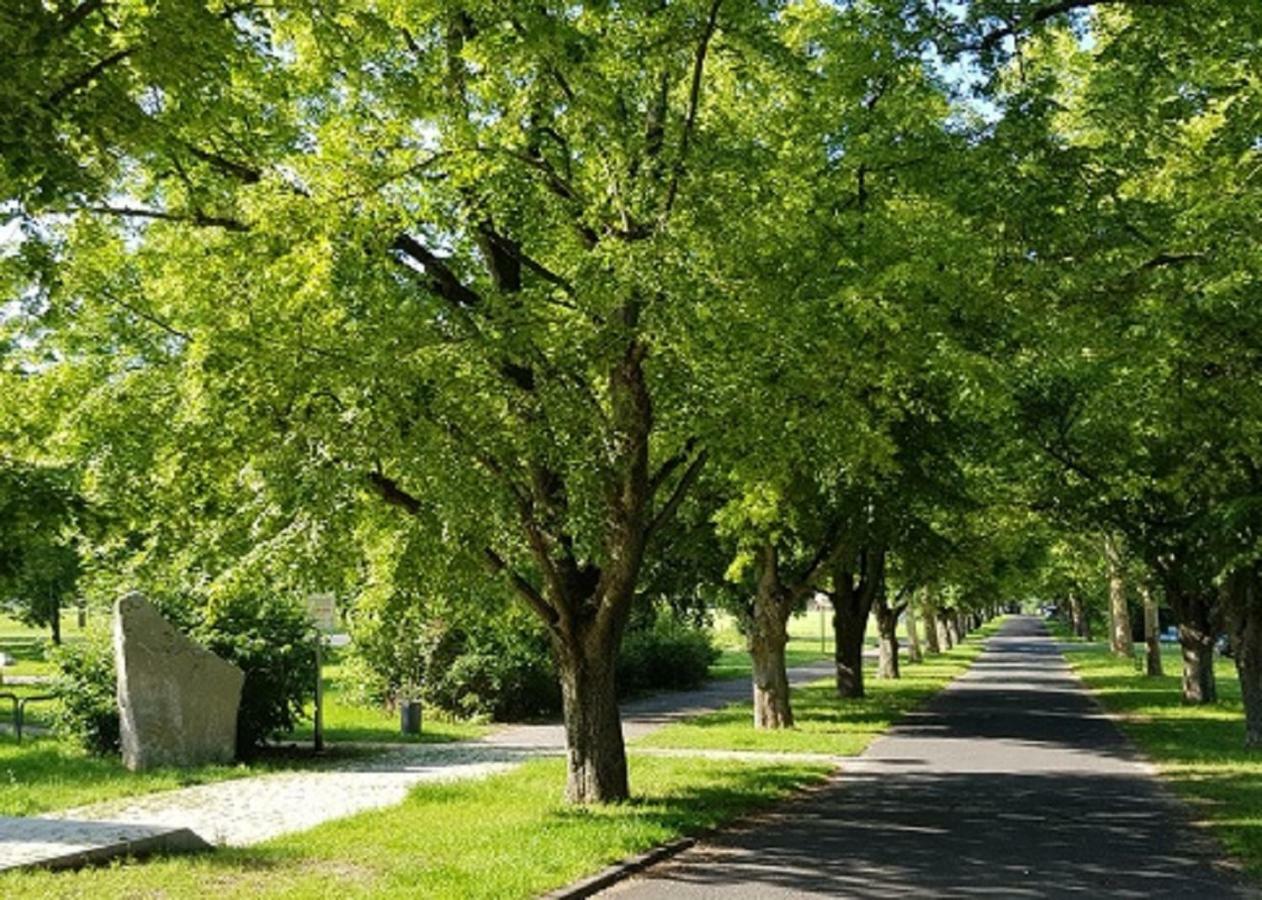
177 701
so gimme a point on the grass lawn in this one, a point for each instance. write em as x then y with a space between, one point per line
809 641
46 773
825 723
347 721
506 836
1198 749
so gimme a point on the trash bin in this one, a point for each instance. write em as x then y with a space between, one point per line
410 716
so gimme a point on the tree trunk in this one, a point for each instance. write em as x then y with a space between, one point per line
953 627
1078 615
850 621
944 630
1199 685
55 623
767 639
1152 631
931 629
83 617
596 754
1119 616
852 604
1244 614
914 653
887 629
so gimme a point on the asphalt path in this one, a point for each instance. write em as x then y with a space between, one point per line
1011 784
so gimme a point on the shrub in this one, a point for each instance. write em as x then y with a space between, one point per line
85 685
503 673
668 654
268 636
271 639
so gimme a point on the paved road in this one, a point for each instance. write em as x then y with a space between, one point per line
1009 785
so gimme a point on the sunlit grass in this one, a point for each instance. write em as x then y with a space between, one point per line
507 836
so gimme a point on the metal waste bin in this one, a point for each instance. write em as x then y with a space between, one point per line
410 716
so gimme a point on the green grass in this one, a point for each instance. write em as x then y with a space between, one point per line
507 836
1199 750
808 643
345 720
825 723
44 774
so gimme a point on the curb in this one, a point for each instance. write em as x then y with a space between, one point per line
621 871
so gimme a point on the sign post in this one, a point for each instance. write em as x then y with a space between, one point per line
323 610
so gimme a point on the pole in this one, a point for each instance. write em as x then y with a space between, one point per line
319 695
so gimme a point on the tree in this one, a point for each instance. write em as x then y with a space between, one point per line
40 516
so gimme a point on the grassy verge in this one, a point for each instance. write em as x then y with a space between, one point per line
44 774
1199 750
507 836
345 720
826 724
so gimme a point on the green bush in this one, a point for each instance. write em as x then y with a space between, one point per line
271 639
502 673
268 636
87 706
668 654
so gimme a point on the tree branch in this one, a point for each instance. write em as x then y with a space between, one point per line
89 76
524 588
677 496
694 104
196 218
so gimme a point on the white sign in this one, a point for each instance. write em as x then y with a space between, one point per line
323 609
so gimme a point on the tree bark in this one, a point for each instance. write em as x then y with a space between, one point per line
953 627
767 640
853 596
1119 616
1078 615
1152 631
55 622
914 653
1196 613
597 770
944 630
931 629
887 630
1244 613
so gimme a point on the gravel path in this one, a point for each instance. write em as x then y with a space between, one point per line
1010 784
249 810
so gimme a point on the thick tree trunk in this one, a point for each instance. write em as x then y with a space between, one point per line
1199 685
852 604
953 627
931 629
914 653
944 630
1243 599
1119 616
850 621
596 754
1248 650
767 639
887 628
1152 632
1078 617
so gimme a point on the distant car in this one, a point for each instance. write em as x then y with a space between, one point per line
1169 636
1223 646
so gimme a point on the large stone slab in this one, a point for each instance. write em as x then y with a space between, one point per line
62 844
177 700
